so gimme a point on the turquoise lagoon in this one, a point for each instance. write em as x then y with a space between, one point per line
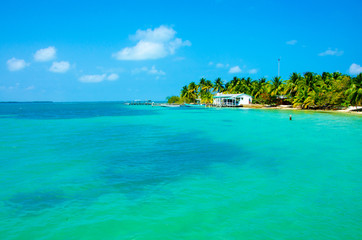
111 171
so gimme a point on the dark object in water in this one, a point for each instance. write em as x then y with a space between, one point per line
290 117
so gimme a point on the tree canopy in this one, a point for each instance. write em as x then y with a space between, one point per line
308 90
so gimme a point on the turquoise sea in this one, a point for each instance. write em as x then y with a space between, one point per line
111 171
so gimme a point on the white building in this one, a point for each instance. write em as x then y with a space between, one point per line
232 100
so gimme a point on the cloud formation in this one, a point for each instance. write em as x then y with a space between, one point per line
219 65
60 67
253 71
235 69
152 70
292 42
92 78
112 77
152 44
331 52
98 78
355 69
16 64
45 54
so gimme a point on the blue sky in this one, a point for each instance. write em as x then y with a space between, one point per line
125 50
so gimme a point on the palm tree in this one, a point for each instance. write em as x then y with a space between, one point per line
291 87
232 85
336 75
184 91
208 86
248 85
310 81
300 97
202 85
218 85
354 93
205 86
242 85
192 91
307 90
277 86
326 76
259 89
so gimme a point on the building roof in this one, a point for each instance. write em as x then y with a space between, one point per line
231 96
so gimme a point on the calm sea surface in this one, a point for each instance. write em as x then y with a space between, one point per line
110 171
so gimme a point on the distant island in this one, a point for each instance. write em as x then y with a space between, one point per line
27 102
305 91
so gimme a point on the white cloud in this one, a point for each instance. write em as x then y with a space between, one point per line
177 43
30 88
153 71
253 71
92 78
112 77
331 52
235 69
59 67
138 70
142 51
160 34
45 54
355 69
16 64
292 42
152 44
220 65
98 78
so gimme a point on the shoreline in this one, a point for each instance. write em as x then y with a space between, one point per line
345 111
280 107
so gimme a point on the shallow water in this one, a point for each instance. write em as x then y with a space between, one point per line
110 171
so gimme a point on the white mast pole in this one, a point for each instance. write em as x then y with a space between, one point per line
278 67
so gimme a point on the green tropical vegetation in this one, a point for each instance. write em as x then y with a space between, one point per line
306 91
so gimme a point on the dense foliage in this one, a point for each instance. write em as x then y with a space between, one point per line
174 99
310 90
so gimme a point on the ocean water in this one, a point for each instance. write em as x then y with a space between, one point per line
111 171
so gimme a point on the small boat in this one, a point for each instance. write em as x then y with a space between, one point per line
170 105
195 105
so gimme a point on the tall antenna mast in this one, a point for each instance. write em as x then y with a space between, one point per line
278 67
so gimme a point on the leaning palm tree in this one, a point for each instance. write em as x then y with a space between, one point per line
291 86
232 85
184 91
192 91
299 99
218 85
260 89
248 85
242 85
202 85
354 93
336 75
326 76
208 86
311 99
277 86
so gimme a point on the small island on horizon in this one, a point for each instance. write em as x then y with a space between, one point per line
328 91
